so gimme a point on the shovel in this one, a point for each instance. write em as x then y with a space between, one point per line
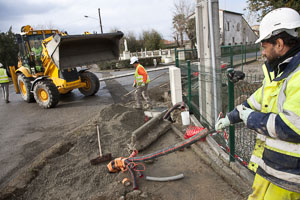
101 158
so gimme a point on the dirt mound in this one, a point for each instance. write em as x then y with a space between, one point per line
71 175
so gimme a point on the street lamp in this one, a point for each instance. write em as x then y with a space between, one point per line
86 16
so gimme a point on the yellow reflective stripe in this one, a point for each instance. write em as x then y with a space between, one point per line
280 146
261 137
252 101
283 152
292 117
276 173
281 95
271 125
289 121
139 79
283 147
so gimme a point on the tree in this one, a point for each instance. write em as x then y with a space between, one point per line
190 30
179 24
133 43
182 23
262 7
152 40
8 48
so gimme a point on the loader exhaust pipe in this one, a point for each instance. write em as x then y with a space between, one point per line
77 50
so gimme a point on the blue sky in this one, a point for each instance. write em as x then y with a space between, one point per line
125 15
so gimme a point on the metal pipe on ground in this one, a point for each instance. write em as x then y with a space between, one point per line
149 132
163 179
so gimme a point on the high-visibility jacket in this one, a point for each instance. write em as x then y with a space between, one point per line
3 76
141 76
276 156
37 51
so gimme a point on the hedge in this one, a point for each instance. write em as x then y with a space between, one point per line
123 64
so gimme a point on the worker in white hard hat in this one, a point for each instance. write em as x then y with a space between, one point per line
273 111
141 83
4 83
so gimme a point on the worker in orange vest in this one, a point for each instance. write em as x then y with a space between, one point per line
141 82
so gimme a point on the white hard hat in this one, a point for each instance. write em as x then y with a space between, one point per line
277 21
1 65
133 60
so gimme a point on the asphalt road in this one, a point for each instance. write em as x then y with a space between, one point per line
26 130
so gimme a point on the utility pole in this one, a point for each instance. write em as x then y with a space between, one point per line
209 54
100 20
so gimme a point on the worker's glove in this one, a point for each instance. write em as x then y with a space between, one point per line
143 84
244 112
134 84
222 123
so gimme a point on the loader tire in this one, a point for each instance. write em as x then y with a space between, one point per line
46 94
92 83
24 87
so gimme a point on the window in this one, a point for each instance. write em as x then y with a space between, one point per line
227 26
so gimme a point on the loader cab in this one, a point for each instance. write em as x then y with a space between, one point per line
30 48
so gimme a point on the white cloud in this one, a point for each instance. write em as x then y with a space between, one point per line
126 15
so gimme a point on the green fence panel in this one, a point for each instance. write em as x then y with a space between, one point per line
241 140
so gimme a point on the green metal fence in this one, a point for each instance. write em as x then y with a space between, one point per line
237 140
230 55
239 54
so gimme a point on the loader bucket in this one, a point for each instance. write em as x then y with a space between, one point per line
77 50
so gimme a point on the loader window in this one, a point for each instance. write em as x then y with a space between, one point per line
35 45
30 50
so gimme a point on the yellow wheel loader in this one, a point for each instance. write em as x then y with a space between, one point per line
48 62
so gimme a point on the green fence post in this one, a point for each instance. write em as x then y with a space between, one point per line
189 84
242 58
245 53
231 57
231 127
177 62
256 51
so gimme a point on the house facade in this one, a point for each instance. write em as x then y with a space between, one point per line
234 29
